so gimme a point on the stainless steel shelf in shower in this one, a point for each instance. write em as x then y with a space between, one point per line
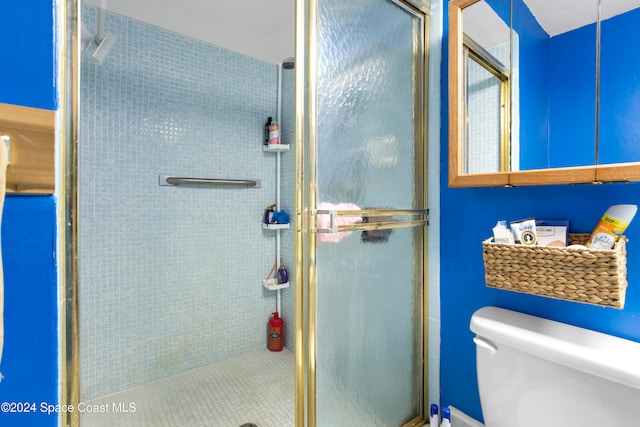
168 180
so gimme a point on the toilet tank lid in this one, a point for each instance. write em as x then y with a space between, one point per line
595 353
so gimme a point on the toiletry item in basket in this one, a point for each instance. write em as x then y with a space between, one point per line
524 231
501 234
552 232
611 226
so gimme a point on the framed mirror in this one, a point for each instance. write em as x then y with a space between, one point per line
564 118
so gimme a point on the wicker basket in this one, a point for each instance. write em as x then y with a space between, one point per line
593 276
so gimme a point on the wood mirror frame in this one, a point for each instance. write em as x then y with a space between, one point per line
620 172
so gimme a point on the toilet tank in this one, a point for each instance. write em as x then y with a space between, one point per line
535 372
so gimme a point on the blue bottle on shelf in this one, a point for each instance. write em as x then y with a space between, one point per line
268 214
283 274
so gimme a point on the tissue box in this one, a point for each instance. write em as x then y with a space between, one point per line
552 232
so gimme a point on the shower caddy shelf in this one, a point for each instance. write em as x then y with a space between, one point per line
276 148
275 226
273 285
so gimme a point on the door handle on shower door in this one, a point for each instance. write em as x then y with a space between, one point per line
420 219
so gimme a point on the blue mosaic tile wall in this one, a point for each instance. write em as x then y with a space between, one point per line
170 278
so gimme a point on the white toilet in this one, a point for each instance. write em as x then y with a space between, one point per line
534 372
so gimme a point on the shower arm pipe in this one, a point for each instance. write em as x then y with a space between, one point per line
100 24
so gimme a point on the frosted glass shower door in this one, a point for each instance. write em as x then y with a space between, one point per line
366 214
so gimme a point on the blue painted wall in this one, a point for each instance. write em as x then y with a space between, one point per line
29 361
28 77
30 358
468 214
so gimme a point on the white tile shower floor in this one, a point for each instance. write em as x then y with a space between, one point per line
256 388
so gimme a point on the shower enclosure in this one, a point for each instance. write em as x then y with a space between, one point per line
171 277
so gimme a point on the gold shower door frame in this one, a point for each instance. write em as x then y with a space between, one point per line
67 22
305 202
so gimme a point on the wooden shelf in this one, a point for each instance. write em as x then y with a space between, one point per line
31 133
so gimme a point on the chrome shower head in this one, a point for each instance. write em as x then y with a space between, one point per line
288 64
97 45
104 47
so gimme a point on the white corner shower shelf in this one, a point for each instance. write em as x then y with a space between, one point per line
273 285
275 148
275 226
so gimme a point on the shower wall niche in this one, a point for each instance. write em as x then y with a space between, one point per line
170 277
